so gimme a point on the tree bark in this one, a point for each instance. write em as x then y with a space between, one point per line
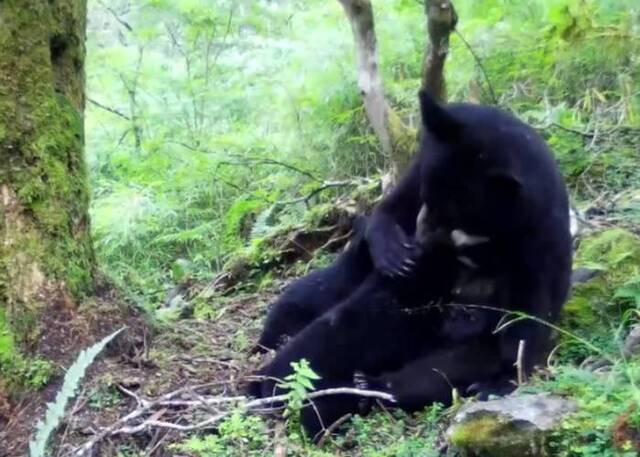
397 140
46 255
441 21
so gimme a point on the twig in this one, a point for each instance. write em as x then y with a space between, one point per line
475 56
326 433
117 17
109 109
324 186
121 425
519 365
85 448
258 161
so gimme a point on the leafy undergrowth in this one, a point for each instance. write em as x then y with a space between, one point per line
209 356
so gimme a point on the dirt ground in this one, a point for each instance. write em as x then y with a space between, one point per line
210 353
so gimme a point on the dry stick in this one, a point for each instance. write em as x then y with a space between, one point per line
329 430
519 365
480 65
119 427
144 406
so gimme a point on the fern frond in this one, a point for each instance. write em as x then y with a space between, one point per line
55 410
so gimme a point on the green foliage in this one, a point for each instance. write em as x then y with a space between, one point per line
226 111
237 436
597 308
105 395
238 221
602 398
400 435
232 112
16 370
55 410
298 385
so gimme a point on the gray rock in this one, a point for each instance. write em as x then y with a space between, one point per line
632 342
515 426
582 275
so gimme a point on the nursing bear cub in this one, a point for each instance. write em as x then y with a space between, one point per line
493 233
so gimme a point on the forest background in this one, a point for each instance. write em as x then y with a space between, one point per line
215 127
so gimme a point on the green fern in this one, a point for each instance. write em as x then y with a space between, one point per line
55 410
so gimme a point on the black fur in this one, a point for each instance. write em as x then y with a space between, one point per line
382 326
481 171
432 378
309 297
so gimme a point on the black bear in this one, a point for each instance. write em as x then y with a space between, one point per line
383 325
482 173
307 298
310 296
432 378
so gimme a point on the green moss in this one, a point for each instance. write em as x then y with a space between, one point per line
614 250
475 432
47 255
488 436
322 215
403 140
602 300
16 370
7 344
238 222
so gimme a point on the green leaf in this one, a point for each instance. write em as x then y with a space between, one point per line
55 410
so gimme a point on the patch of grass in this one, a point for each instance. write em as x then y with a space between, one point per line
602 398
238 436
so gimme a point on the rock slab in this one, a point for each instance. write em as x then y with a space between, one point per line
514 426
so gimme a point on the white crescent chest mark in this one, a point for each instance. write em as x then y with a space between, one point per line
462 239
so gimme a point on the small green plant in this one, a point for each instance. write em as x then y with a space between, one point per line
298 385
104 396
239 435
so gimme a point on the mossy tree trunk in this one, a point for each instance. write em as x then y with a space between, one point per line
46 254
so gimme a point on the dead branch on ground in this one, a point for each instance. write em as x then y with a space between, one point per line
210 410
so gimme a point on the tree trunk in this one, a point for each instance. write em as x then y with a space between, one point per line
441 21
46 255
397 140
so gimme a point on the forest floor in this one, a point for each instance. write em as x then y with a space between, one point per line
202 357
151 394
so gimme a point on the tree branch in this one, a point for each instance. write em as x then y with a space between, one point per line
109 109
441 21
360 15
152 410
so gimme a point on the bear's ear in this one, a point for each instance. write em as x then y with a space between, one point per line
436 119
504 182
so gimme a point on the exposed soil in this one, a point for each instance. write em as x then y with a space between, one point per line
67 329
188 352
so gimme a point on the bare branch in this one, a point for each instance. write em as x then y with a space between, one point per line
360 15
480 65
153 409
260 161
109 109
117 17
441 21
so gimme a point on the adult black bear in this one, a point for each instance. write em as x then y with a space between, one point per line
482 171
310 296
479 171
